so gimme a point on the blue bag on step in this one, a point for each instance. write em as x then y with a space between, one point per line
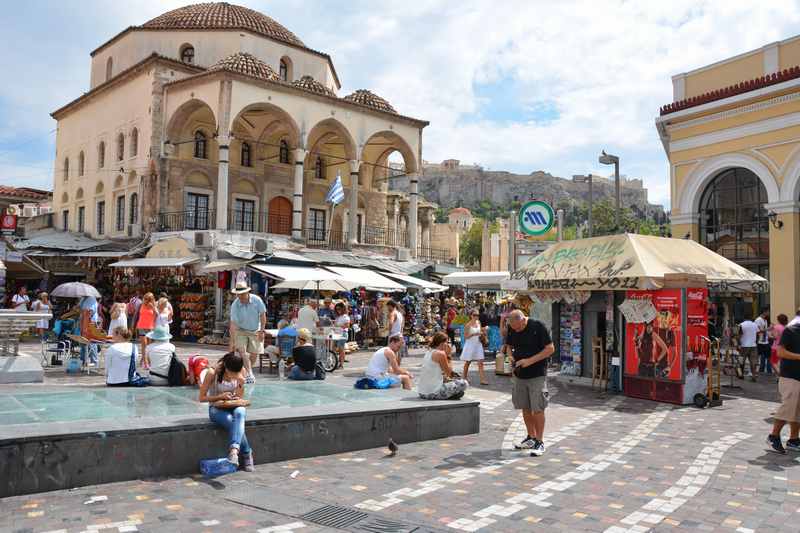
217 467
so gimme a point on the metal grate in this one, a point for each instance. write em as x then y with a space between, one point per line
334 516
381 525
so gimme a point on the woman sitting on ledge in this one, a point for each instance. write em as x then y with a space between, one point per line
223 389
437 381
305 357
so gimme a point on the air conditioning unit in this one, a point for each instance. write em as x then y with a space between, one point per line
134 230
261 246
202 239
403 254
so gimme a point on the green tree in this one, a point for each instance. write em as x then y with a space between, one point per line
471 244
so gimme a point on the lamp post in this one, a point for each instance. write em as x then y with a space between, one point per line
579 178
608 159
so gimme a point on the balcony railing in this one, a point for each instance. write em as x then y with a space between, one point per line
433 254
193 219
260 221
377 236
326 239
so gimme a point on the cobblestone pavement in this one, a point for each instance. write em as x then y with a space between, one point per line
613 464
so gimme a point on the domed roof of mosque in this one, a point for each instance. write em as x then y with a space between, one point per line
308 83
370 99
222 16
247 64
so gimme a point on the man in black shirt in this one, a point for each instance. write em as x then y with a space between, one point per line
532 347
789 387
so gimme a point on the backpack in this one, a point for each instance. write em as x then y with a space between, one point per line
177 372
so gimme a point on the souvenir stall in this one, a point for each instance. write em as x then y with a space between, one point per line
637 304
481 291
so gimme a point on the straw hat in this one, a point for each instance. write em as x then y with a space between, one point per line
241 288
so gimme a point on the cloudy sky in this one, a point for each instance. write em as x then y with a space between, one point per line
512 85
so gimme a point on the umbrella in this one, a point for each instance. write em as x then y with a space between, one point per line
75 289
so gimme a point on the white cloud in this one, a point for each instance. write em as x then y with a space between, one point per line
605 66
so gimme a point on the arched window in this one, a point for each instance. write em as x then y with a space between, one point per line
733 219
246 160
80 163
134 208
109 68
200 145
283 154
319 170
120 147
134 143
284 70
66 168
101 155
187 54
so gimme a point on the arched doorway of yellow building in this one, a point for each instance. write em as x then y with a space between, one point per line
734 223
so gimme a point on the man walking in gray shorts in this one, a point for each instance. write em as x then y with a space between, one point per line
532 348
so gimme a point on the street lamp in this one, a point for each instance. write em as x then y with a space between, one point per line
608 159
579 178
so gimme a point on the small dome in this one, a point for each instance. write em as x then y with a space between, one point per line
222 16
370 99
247 64
307 83
460 211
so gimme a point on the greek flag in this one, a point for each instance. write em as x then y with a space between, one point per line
336 192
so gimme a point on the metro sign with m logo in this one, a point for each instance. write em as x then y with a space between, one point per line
536 218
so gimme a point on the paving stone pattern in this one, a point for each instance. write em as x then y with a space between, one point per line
613 464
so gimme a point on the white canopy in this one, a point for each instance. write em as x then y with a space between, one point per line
368 279
476 280
305 278
155 262
411 281
222 265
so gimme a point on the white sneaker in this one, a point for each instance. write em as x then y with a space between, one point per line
538 449
527 444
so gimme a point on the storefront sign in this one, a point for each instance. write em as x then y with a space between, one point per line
536 218
654 349
8 224
514 284
169 248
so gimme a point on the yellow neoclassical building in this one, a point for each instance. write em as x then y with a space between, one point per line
732 136
215 116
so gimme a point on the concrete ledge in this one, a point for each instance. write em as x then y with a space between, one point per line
20 369
38 462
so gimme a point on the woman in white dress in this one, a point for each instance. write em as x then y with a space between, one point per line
119 317
42 305
473 349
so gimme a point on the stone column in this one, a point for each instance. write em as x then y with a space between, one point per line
413 223
352 228
784 259
395 222
297 198
223 141
426 228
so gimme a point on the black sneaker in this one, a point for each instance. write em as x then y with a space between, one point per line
538 448
527 444
793 445
775 443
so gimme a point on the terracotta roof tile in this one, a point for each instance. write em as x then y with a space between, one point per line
732 90
307 83
247 64
369 99
24 192
222 15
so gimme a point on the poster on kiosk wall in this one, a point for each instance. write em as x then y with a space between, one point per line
653 349
698 345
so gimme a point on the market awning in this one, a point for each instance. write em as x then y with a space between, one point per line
155 262
304 278
628 261
416 283
476 280
368 279
223 265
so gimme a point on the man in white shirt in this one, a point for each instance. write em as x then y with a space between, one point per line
307 316
21 301
748 332
763 343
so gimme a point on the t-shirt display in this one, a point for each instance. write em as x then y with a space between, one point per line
527 343
571 336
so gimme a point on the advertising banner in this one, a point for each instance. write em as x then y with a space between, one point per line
698 345
654 348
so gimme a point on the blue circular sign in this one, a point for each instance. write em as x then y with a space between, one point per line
536 218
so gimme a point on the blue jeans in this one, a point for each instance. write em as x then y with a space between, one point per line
764 353
301 375
233 421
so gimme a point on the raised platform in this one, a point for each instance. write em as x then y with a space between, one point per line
169 432
20 369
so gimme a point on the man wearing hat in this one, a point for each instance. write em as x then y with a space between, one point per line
159 353
248 320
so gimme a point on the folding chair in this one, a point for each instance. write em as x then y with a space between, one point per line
54 351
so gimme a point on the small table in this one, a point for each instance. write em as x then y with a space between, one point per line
270 339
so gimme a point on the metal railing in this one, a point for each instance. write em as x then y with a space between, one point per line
260 221
380 236
192 219
325 239
433 254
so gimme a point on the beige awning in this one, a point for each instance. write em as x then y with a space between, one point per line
223 265
622 262
155 262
